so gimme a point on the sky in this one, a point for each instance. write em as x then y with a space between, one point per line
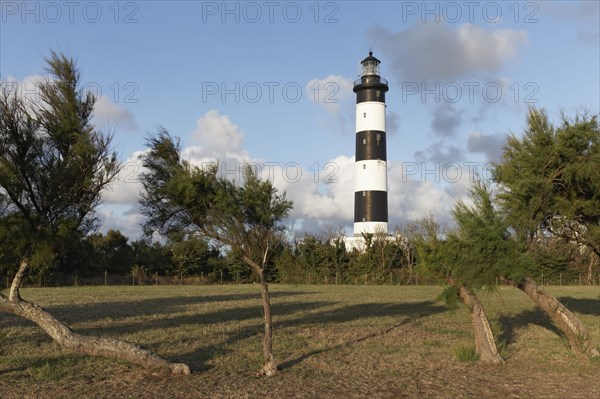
270 83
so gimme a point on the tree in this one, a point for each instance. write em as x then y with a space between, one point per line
550 182
244 218
453 260
53 167
189 253
114 253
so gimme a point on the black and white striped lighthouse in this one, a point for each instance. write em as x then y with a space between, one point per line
370 176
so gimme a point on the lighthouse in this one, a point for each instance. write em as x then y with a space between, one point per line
370 173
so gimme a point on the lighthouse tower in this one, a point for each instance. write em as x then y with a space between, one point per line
370 175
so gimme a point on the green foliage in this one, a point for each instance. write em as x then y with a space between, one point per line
481 248
179 197
550 179
111 252
426 238
155 257
53 164
190 254
449 296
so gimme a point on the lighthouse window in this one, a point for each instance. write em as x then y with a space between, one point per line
364 141
364 166
378 138
364 193
364 114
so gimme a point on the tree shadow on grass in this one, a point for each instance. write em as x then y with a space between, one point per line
154 314
408 312
73 313
581 305
413 310
510 324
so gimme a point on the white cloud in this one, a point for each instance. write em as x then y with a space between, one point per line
108 113
27 89
217 134
334 96
321 197
330 92
129 223
126 187
105 111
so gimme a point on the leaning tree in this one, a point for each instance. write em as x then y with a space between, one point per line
549 182
53 167
242 218
461 257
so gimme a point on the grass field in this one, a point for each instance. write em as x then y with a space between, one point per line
330 341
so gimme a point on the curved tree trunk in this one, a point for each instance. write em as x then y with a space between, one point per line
65 337
485 345
579 339
270 366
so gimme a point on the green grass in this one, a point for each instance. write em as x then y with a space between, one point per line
466 353
330 341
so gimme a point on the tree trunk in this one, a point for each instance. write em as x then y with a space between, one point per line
579 339
485 346
270 366
590 273
65 337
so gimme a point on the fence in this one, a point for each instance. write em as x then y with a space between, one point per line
402 277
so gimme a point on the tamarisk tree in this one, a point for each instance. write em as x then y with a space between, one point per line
53 168
243 218
465 269
549 182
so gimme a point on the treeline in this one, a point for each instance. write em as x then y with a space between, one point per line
112 258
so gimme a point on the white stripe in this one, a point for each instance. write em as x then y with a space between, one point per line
370 115
370 175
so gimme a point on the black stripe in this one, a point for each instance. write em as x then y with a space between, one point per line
370 144
370 94
370 88
370 206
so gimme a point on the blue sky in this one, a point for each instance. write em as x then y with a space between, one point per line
271 83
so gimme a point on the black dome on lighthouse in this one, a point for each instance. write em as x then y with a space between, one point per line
370 60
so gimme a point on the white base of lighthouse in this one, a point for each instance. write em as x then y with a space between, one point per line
358 243
361 228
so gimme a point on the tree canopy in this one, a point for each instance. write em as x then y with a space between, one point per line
549 179
54 162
